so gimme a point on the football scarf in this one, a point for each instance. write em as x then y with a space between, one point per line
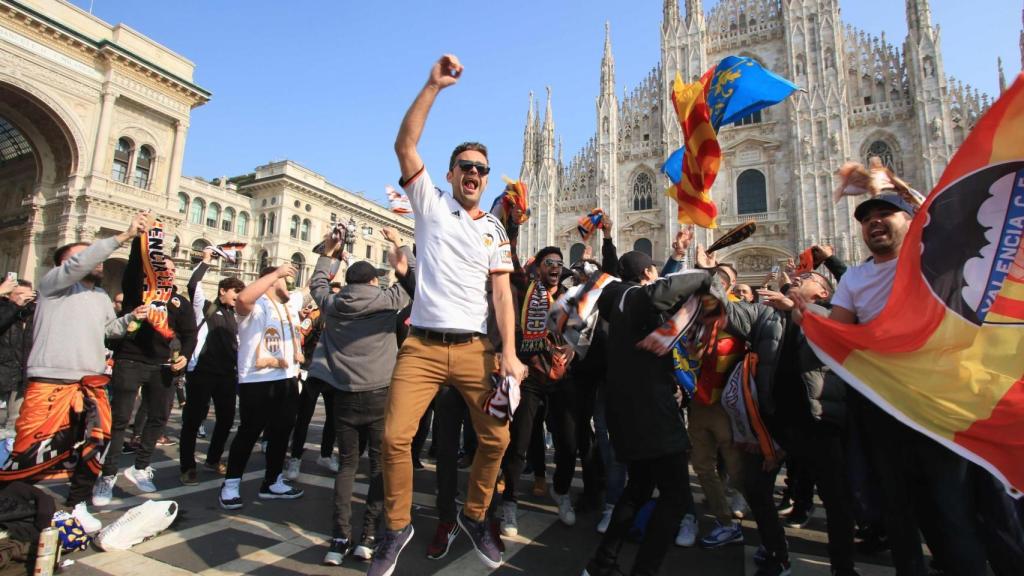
739 399
574 316
534 319
157 281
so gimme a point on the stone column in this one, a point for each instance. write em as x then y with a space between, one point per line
101 149
174 168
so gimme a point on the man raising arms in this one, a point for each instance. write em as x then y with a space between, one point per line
459 248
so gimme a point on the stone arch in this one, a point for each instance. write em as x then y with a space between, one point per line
751 192
13 88
876 144
642 194
753 262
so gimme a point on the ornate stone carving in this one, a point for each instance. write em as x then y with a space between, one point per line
755 262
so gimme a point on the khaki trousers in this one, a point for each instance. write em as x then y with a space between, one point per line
423 367
710 433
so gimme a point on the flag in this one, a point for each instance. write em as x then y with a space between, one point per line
730 91
513 197
946 354
589 223
399 202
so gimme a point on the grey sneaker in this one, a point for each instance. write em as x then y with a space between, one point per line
483 540
385 558
143 479
103 490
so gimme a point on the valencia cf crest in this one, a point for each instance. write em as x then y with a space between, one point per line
488 240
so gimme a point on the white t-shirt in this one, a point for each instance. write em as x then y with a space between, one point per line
455 256
865 289
269 331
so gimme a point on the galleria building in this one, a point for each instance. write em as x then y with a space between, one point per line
862 96
93 122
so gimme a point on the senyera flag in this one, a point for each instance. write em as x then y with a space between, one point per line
946 355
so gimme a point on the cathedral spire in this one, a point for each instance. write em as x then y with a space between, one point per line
607 63
548 142
670 13
919 18
529 137
1002 76
1022 40
694 11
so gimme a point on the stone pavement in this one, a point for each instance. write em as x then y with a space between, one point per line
287 538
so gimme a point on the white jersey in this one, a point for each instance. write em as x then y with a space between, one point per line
865 289
269 333
455 256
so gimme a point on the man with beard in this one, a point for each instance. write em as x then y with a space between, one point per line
64 424
459 248
269 355
917 474
16 311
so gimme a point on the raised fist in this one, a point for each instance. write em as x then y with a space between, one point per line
446 71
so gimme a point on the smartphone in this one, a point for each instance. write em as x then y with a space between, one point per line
12 276
775 269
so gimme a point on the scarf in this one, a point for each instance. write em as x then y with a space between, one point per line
589 223
739 399
157 282
534 318
398 202
574 316
271 343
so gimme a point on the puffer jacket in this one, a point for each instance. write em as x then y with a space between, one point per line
761 327
826 391
15 344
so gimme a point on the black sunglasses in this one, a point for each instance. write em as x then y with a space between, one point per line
553 262
482 169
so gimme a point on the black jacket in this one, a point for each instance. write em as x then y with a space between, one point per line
15 344
147 345
761 328
644 419
219 353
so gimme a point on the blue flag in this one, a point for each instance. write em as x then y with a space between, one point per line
740 87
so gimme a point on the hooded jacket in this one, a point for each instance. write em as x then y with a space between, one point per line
358 346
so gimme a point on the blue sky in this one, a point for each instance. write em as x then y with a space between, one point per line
326 82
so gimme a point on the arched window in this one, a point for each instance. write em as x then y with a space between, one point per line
264 261
197 250
305 230
143 163
122 159
751 193
262 230
300 267
576 252
644 245
883 150
195 216
293 231
242 228
182 202
643 192
213 215
271 223
227 223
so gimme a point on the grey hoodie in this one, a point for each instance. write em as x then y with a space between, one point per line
358 347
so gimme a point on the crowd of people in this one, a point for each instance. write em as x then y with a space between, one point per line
467 347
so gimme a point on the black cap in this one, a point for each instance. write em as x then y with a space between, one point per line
892 199
632 266
362 272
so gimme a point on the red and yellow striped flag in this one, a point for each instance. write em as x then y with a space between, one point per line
946 355
702 155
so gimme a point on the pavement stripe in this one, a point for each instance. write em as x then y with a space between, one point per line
531 525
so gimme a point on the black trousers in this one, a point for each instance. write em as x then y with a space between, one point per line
920 476
449 412
561 419
201 388
820 448
999 525
536 454
758 489
312 389
670 475
356 412
263 406
157 394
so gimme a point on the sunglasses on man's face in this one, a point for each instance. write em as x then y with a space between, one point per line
466 165
553 263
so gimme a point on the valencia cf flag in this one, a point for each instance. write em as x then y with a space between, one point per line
946 355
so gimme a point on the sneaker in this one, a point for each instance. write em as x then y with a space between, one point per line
597 567
687 535
385 558
229 497
509 522
143 479
329 462
201 433
89 523
540 485
606 518
103 490
291 469
417 465
565 512
483 541
130 447
738 505
761 556
493 526
137 524
340 547
166 441
444 536
798 518
722 535
364 551
279 490
220 468
189 477
773 567
785 505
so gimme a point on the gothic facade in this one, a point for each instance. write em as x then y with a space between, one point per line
861 96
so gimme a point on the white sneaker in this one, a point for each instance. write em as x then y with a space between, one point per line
141 522
565 512
279 490
606 518
738 505
291 468
103 490
687 532
143 479
329 462
230 498
509 522
89 523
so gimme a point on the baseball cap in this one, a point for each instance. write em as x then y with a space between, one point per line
891 199
362 272
632 265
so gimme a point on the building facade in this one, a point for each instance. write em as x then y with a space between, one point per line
93 123
861 96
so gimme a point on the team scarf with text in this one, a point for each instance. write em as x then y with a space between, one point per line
534 318
157 281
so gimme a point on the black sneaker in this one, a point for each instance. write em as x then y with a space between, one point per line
279 491
483 541
129 447
597 567
385 558
340 547
799 517
364 551
785 506
774 565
